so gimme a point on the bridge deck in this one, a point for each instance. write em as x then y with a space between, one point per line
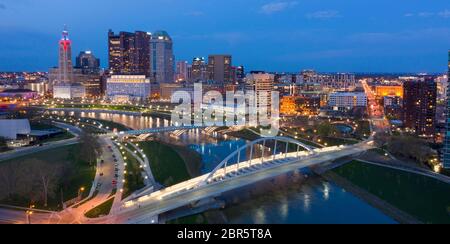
189 191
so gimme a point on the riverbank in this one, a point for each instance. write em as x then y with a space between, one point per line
171 164
374 201
424 198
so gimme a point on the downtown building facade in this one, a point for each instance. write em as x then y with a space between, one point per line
419 106
128 88
129 53
162 60
347 100
62 78
220 68
199 69
182 71
262 84
446 151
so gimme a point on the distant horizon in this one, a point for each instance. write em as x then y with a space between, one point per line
267 35
281 72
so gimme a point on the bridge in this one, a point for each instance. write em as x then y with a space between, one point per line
159 130
234 172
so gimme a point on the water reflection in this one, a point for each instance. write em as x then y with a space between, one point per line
290 198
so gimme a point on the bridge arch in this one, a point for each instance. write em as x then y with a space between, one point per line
285 140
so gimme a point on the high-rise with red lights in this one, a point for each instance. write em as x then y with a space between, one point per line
65 68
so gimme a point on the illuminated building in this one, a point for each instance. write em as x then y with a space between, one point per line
69 91
65 68
347 100
87 72
383 91
39 87
129 53
262 84
162 60
219 68
288 105
446 156
128 88
88 63
182 71
199 70
419 105
22 94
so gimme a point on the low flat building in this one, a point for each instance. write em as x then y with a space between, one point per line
11 128
131 87
69 91
24 94
347 100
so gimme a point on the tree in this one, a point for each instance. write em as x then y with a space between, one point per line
326 129
90 147
44 177
3 144
9 179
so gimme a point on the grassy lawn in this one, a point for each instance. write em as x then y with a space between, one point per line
332 141
378 151
245 134
99 106
133 177
167 165
362 129
101 210
73 173
112 125
425 198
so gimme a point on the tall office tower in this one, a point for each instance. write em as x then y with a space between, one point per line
199 69
240 73
87 72
129 53
65 69
182 71
446 161
88 63
162 61
419 105
219 68
262 84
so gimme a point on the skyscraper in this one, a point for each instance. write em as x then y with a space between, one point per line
129 53
199 69
219 68
182 71
162 60
65 68
446 161
87 72
88 63
262 84
419 105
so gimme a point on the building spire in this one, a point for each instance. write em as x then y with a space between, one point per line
65 33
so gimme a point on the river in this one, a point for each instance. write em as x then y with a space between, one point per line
296 198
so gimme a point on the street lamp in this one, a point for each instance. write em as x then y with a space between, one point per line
80 193
29 213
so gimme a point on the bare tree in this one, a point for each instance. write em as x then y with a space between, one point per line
90 147
44 177
9 179
3 144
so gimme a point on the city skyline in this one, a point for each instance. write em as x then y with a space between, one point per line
294 35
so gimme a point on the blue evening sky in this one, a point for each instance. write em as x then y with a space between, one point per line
273 35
